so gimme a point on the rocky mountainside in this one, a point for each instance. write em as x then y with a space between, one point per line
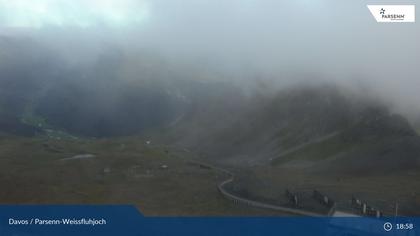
38 89
317 127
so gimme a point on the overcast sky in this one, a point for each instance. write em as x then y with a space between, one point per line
337 40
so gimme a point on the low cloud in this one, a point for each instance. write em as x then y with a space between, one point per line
244 40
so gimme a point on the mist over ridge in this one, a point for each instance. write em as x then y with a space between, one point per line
258 47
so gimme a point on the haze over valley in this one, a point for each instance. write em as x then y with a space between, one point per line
192 99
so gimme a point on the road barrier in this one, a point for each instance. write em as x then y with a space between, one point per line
252 203
240 200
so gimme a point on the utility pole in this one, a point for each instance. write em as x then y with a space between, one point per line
396 208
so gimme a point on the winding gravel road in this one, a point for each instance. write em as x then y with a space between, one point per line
248 202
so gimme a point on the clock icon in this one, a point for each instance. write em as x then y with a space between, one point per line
387 226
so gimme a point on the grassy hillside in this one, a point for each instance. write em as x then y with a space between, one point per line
377 142
317 151
304 123
159 180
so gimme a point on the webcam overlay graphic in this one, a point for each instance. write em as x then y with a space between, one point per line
126 220
393 13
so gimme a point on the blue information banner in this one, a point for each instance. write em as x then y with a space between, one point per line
127 220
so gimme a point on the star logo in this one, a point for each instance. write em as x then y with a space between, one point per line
382 11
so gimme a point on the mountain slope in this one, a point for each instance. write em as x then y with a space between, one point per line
300 125
378 143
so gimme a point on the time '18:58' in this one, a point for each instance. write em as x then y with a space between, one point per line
407 226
